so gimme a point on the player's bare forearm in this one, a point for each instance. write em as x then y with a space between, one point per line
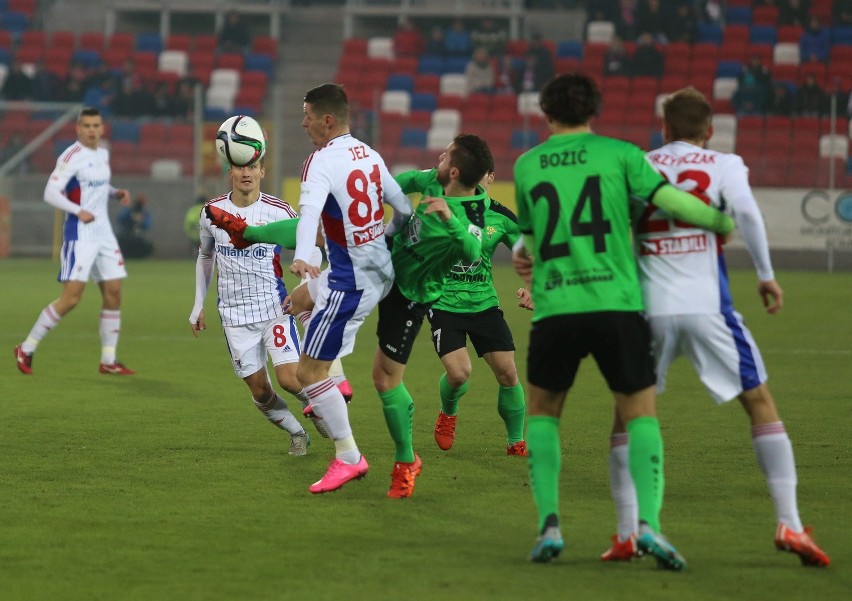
522 262
525 300
300 268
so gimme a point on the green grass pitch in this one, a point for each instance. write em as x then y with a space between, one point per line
170 484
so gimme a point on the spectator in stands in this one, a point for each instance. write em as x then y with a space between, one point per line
436 45
653 18
74 86
507 75
235 35
810 97
408 40
616 59
134 221
602 10
544 57
18 85
647 60
625 23
793 12
839 96
754 87
815 43
683 26
457 40
781 102
533 75
184 99
842 13
479 72
162 101
100 94
132 100
490 36
44 83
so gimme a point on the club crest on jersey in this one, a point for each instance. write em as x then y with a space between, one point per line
490 230
413 230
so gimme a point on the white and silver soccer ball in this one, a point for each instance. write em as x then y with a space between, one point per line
241 140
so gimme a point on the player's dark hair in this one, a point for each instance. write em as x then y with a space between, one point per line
570 99
88 111
688 115
329 99
472 157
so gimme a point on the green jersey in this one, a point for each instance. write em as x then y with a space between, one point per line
469 287
426 248
573 195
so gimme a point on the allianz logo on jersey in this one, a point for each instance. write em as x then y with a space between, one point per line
95 183
255 251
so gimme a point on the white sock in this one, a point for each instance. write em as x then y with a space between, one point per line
109 328
47 320
328 404
276 411
775 457
621 487
302 397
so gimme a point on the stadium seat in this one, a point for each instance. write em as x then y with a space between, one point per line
179 41
453 84
125 131
727 69
404 65
166 169
438 138
735 33
427 83
266 45
709 32
220 98
527 104
145 63
763 34
724 87
15 22
431 64
426 102
402 82
149 42
206 42
765 15
569 49
738 14
790 33
230 60
173 61
524 138
446 118
88 58
413 137
380 47
841 35
600 32
722 141
836 145
225 78
396 102
455 64
785 53
27 7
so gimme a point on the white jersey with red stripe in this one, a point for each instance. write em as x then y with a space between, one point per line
348 183
249 280
82 175
682 267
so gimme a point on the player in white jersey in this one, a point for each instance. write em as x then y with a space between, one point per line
345 184
250 296
688 302
80 186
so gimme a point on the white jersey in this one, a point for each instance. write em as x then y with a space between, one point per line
81 180
682 267
249 280
346 184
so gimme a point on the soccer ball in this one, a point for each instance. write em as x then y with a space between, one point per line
241 141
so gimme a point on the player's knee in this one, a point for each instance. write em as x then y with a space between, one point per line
456 377
507 377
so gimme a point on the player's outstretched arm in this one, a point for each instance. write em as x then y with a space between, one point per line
469 238
685 206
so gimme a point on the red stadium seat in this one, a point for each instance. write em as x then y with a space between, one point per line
121 40
265 45
764 15
205 43
427 83
92 40
790 33
230 60
62 39
179 41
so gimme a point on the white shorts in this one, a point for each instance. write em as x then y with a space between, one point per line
102 260
719 346
250 344
336 317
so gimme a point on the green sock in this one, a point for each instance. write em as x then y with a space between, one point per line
511 407
398 407
544 462
282 233
645 453
450 396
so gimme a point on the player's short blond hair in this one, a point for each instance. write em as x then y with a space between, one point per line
688 115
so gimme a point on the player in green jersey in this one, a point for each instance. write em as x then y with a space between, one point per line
444 230
469 307
573 194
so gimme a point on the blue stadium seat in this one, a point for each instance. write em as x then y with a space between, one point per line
400 82
569 49
430 64
841 35
15 22
423 102
456 64
524 138
126 131
413 137
710 32
738 14
763 34
149 42
88 58
212 114
245 110
656 140
728 68
5 56
259 62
